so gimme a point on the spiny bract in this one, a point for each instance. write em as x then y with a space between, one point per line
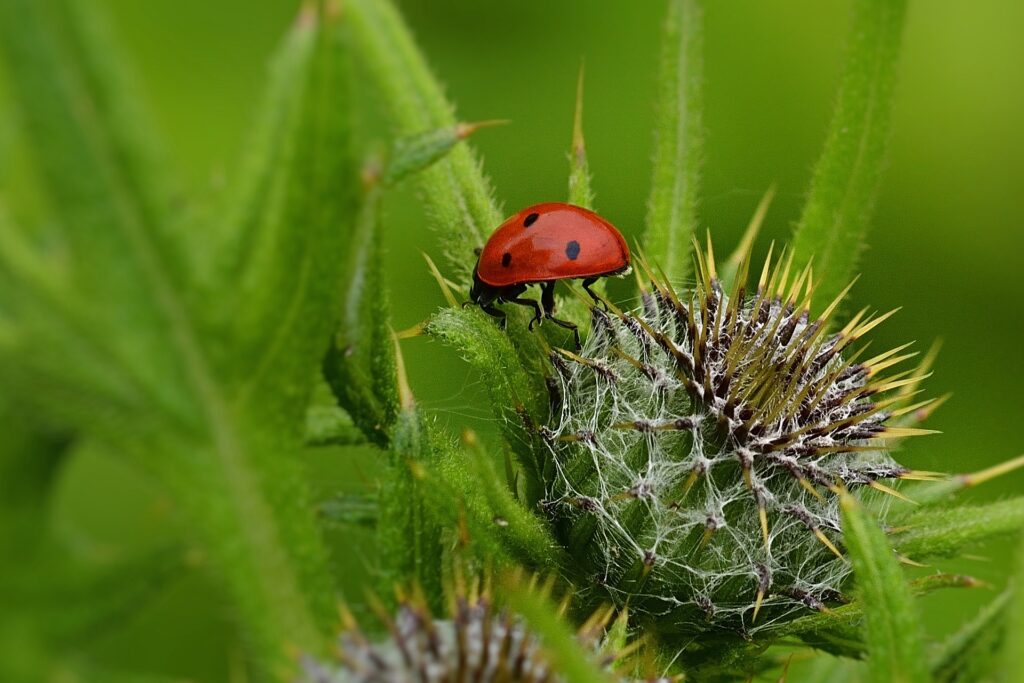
698 443
476 643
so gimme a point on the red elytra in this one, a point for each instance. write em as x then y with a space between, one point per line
551 241
542 244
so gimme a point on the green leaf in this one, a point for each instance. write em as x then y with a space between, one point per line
846 177
838 630
1013 663
892 630
944 532
360 362
516 395
409 538
580 191
458 198
472 473
114 341
679 141
972 653
257 191
330 426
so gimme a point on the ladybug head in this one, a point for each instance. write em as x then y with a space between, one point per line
481 293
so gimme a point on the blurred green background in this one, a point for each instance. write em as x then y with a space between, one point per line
947 242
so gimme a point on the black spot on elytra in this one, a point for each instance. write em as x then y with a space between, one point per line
530 220
572 250
506 259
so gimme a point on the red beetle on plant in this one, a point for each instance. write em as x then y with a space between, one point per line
543 244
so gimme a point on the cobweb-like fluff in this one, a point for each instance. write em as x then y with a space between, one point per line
698 444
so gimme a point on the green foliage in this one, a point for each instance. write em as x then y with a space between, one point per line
972 653
1012 662
835 218
457 197
191 346
518 397
678 147
892 631
360 361
947 531
212 405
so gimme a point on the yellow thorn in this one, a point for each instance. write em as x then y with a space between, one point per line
920 475
767 265
464 130
909 562
707 537
878 486
405 397
889 386
895 360
578 144
690 481
762 515
907 409
904 432
757 604
712 271
410 332
441 282
990 473
872 324
746 244
828 544
838 300
810 488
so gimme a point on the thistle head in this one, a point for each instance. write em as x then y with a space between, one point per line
474 641
700 442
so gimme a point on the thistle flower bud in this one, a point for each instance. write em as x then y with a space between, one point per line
700 441
477 642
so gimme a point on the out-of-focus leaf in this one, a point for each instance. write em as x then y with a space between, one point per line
678 145
1012 662
330 426
892 630
458 198
943 532
351 509
360 361
213 405
972 653
846 178
409 538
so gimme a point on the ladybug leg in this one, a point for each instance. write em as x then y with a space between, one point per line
490 310
569 326
538 315
548 299
593 295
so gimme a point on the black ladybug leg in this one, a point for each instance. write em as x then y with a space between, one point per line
593 295
569 326
548 299
538 315
490 310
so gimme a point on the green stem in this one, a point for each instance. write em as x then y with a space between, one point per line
846 178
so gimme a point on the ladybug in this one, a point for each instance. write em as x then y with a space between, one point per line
543 244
